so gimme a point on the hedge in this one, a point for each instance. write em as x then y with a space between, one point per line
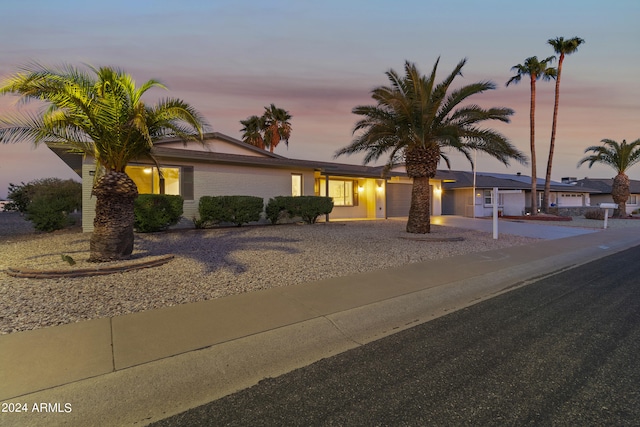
237 210
157 212
309 208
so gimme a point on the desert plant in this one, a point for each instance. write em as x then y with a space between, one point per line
594 214
157 212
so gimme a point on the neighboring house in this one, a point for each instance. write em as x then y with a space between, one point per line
513 195
2 203
227 166
603 186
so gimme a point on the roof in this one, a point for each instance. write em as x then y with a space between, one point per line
464 179
604 185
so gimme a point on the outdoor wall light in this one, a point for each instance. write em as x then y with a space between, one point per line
360 189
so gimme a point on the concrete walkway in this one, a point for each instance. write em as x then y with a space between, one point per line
139 368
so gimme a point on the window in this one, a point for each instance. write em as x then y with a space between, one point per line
341 191
488 198
296 184
633 200
147 179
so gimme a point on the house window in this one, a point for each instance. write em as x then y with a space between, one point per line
488 198
341 191
147 180
296 184
633 200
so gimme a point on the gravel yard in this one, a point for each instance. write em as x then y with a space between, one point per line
208 264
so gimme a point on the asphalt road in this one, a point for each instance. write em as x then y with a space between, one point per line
562 351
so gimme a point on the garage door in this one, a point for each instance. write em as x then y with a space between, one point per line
399 199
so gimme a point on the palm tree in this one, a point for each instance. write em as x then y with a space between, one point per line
276 126
535 70
252 131
100 115
562 47
415 119
620 157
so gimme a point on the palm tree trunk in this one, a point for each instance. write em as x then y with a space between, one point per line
420 213
421 164
547 181
532 140
112 237
620 193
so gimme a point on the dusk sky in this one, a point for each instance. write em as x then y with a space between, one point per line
319 59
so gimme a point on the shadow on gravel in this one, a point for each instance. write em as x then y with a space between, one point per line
214 249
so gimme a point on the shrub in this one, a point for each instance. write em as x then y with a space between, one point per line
237 210
594 214
309 208
156 212
47 202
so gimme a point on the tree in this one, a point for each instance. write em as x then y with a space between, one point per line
415 119
535 70
620 157
100 114
268 130
562 47
252 131
276 126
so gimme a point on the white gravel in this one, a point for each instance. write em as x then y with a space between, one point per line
208 264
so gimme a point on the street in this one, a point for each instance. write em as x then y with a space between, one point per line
561 351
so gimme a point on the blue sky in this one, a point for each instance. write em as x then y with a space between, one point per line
320 59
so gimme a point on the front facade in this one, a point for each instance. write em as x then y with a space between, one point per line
225 166
461 197
604 186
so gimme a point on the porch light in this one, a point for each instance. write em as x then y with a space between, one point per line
147 170
360 189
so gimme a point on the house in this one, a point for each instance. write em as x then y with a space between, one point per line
223 165
461 197
604 186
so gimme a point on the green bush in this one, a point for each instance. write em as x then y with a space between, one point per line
156 212
309 208
47 202
237 210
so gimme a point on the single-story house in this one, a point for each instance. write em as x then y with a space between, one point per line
604 186
223 165
461 198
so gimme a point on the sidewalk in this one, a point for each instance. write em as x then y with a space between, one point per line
139 368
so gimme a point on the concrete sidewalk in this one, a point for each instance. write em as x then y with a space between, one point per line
139 368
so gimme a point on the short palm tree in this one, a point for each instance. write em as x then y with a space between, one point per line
415 119
100 114
252 131
562 47
276 126
535 69
620 157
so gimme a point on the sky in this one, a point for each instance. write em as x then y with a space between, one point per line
320 59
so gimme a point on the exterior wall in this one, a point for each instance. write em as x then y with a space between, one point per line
88 201
226 180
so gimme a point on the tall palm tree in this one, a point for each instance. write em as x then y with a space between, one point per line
100 114
620 157
535 70
416 119
562 47
276 126
252 131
